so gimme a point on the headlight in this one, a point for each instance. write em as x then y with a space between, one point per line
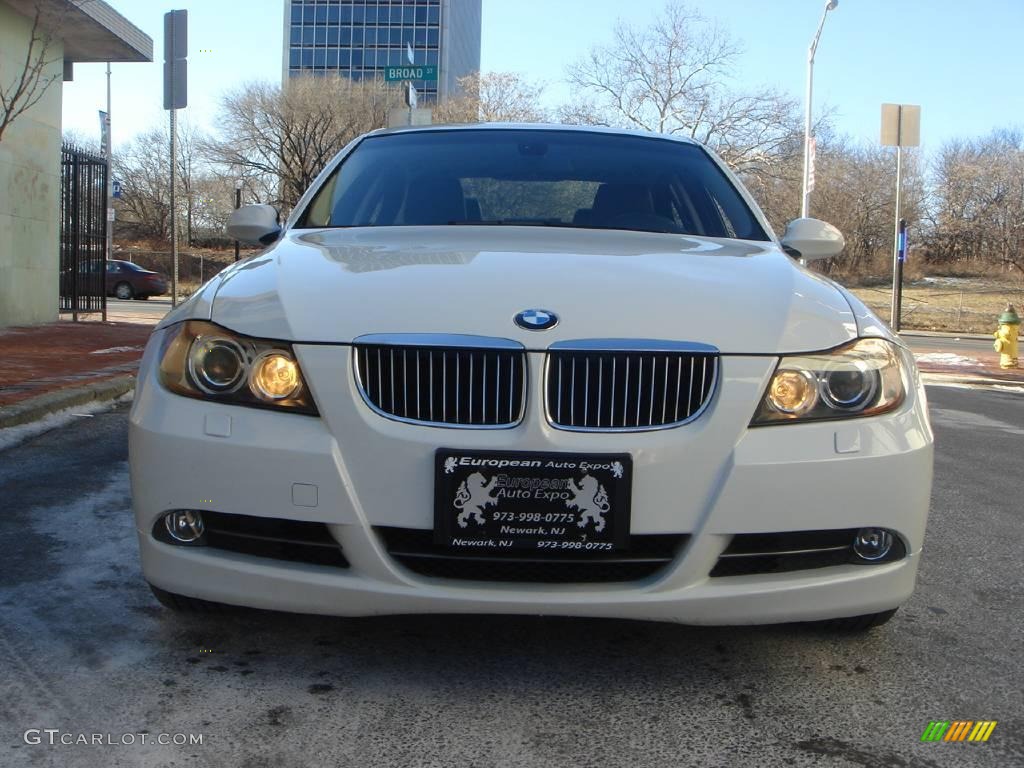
203 360
864 378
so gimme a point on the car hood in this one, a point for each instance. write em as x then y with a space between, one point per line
336 285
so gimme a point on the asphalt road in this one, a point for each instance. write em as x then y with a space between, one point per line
85 648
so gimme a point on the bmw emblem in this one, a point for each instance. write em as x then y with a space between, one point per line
536 319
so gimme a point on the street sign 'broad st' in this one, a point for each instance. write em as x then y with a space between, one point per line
410 72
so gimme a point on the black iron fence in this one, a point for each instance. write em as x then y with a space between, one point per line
83 231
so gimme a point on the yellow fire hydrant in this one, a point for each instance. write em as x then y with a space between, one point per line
1006 338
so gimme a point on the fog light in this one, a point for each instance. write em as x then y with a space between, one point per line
184 525
872 543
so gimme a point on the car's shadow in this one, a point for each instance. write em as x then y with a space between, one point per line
545 651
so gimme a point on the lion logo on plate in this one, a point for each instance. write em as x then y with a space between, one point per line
473 496
536 319
591 499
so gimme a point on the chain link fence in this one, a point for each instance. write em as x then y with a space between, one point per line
194 267
964 305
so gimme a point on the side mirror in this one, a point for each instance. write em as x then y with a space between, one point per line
812 239
256 224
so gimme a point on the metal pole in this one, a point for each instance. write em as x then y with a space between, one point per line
894 315
238 204
110 199
76 243
805 199
174 228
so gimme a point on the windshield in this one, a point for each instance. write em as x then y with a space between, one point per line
532 178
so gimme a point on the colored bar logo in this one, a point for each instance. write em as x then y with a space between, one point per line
959 730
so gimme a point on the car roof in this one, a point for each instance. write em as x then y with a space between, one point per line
530 127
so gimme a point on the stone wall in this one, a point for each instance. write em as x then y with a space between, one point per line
29 187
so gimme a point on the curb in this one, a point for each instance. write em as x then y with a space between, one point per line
35 408
947 335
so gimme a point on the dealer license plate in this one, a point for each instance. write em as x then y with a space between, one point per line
491 501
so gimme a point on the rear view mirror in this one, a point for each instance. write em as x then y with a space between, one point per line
812 239
256 224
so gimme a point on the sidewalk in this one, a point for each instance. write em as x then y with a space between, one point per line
63 364
977 367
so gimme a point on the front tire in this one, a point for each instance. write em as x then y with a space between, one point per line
857 624
124 291
183 604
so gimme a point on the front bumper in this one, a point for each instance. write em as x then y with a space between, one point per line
710 479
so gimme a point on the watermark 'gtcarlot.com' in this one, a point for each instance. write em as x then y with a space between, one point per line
54 737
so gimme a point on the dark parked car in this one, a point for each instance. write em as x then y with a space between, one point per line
126 280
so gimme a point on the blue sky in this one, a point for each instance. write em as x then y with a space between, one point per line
961 61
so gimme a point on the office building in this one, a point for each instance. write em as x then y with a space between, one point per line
359 38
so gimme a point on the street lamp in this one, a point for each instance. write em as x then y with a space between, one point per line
805 205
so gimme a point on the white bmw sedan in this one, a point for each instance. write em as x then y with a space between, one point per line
530 369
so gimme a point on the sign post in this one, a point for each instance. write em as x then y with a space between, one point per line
175 98
901 127
406 74
105 140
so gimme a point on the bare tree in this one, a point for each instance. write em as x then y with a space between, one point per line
81 141
144 170
190 171
674 77
493 97
978 209
32 78
288 135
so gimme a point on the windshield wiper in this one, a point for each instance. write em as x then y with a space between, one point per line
509 223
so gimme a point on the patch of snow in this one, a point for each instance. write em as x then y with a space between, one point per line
947 358
12 436
114 350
